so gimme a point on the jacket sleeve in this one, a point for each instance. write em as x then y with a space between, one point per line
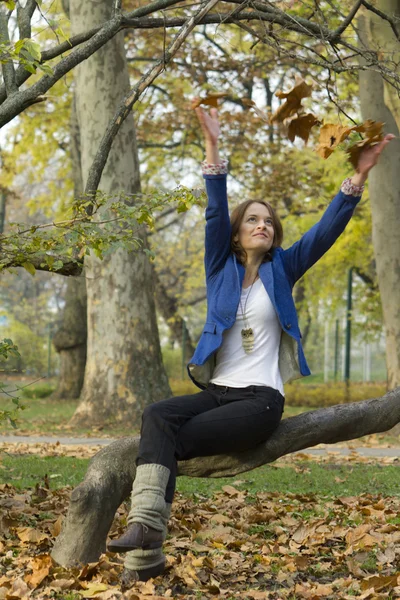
304 253
218 227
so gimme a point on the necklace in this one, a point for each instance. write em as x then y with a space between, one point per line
247 333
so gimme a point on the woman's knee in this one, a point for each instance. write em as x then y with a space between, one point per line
156 411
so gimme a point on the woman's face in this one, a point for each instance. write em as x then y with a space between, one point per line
256 231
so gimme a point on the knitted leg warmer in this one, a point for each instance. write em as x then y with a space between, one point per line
148 496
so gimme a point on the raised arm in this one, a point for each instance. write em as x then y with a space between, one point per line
218 228
315 242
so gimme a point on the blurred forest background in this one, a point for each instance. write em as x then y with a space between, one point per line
46 152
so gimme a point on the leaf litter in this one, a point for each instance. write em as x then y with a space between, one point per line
235 544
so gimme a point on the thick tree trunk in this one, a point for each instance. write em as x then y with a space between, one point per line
384 189
168 308
70 339
109 478
124 370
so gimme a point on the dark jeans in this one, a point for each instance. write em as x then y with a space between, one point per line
217 420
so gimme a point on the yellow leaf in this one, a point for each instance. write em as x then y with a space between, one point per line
28 534
29 267
94 588
40 566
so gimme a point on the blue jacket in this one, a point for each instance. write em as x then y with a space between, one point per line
224 277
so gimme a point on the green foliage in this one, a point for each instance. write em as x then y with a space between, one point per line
114 224
27 53
299 393
39 390
172 360
32 344
182 387
7 349
330 394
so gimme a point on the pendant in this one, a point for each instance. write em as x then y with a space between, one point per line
247 340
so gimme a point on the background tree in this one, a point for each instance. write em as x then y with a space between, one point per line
378 102
320 37
124 370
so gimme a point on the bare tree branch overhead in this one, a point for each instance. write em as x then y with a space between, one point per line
14 101
134 94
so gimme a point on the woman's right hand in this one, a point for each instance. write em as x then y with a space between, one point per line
209 124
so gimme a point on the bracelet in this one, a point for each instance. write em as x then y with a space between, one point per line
350 189
213 169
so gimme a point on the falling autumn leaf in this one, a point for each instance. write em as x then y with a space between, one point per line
330 137
210 100
251 104
292 99
301 126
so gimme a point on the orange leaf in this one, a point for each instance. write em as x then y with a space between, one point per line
40 566
210 100
293 100
55 528
373 135
301 126
28 534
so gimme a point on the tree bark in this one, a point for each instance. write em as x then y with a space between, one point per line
70 339
124 370
384 189
110 474
168 308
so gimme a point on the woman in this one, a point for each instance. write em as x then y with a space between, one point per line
249 348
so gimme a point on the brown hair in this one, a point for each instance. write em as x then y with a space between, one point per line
236 220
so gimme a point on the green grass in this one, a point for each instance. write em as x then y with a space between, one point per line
359 478
42 414
25 471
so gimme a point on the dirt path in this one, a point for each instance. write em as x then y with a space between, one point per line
322 450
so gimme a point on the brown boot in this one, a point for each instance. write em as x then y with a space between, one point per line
137 536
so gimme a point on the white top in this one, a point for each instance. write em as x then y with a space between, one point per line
235 368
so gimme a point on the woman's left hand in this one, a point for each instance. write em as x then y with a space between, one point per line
370 155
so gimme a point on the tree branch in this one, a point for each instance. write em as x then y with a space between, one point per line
24 17
383 16
338 32
138 19
128 102
68 268
15 105
111 471
7 66
367 279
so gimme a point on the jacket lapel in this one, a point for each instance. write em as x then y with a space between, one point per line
267 277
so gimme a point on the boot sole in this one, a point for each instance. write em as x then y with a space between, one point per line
114 547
